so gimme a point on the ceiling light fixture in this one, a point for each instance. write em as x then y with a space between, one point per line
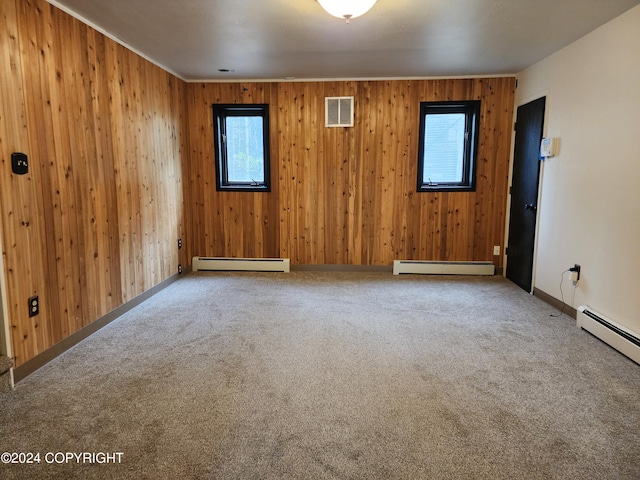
347 9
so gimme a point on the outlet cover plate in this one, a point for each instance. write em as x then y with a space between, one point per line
34 306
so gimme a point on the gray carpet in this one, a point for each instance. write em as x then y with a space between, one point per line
332 375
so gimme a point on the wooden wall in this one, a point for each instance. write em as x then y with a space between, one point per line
348 195
110 138
95 221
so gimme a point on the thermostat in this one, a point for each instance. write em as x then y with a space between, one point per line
548 147
19 163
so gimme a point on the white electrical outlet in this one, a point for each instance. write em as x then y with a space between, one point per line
496 250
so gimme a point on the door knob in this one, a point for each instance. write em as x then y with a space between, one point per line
530 206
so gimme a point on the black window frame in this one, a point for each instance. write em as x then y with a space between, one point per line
220 113
471 110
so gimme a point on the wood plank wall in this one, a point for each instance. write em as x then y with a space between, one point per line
348 195
95 221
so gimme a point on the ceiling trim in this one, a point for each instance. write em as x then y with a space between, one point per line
347 79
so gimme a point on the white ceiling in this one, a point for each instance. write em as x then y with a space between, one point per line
277 39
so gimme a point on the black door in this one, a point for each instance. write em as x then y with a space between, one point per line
524 193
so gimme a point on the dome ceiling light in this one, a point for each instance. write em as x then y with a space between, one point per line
347 9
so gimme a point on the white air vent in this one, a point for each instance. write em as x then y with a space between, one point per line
338 111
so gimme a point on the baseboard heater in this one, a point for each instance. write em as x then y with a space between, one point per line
619 337
240 264
443 268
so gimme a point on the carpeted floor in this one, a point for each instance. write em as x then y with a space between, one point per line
331 375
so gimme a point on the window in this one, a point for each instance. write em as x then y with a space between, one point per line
241 134
448 145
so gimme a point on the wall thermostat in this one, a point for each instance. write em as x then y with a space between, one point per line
549 147
19 163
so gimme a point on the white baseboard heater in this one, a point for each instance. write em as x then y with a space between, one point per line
622 339
240 264
443 268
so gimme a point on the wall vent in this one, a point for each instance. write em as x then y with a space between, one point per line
338 111
240 264
622 339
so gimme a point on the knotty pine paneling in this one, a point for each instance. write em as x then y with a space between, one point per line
95 221
113 140
229 224
348 195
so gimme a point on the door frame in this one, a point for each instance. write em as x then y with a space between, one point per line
505 257
5 334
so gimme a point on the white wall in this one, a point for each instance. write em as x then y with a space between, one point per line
589 204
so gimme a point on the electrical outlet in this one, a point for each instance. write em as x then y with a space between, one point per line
496 250
34 306
575 273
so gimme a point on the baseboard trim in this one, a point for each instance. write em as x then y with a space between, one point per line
554 302
342 268
40 360
352 268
